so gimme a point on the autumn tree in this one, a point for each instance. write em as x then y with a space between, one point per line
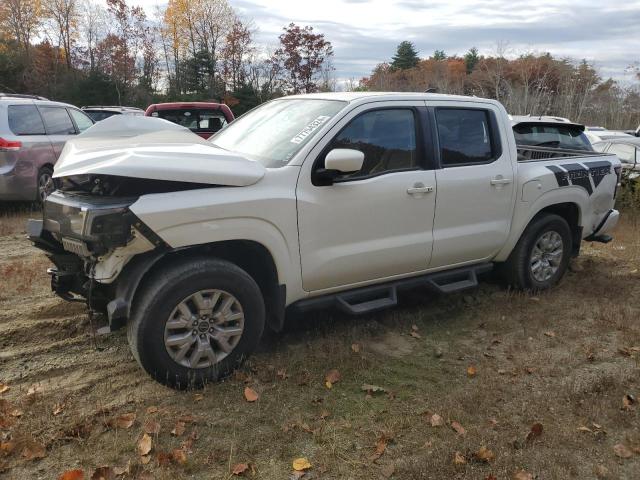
238 47
406 56
21 19
301 57
63 15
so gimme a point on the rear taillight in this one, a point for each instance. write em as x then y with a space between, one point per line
9 145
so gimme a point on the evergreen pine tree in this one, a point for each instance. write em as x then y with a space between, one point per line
406 56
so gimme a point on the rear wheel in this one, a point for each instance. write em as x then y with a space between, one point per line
45 184
541 256
196 322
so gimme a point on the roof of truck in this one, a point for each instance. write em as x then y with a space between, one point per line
355 96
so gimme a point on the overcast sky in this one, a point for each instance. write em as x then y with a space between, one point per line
366 32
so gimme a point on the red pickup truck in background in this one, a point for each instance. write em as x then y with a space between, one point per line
202 118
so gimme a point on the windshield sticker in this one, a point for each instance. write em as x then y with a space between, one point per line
309 129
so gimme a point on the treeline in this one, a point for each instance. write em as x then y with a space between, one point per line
536 84
85 53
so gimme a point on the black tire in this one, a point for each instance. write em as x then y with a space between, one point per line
169 287
44 185
517 270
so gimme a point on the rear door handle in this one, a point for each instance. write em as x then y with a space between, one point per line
419 188
500 180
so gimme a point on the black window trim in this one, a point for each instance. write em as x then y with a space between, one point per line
63 107
494 135
421 131
44 127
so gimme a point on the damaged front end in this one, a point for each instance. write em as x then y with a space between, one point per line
89 238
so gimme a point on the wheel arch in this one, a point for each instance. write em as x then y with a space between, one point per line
251 256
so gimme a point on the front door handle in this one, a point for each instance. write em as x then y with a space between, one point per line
500 180
419 188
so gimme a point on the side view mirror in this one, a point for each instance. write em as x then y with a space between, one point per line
338 161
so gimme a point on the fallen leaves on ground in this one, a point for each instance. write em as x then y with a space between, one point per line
35 389
103 473
550 333
72 475
484 455
144 444
57 409
198 397
370 389
301 464
239 468
622 451
458 459
458 428
179 456
33 451
332 376
536 431
471 371
178 430
436 420
388 470
125 421
381 446
151 427
152 409
628 401
4 387
250 395
355 347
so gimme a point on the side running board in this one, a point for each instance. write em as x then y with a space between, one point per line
378 297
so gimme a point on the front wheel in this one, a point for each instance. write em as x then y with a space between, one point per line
195 322
541 256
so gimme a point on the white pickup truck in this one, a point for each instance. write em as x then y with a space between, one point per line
329 200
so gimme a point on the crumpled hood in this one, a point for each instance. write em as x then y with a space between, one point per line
152 148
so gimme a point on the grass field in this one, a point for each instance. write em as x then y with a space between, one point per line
538 386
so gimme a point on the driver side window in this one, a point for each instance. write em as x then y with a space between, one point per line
386 137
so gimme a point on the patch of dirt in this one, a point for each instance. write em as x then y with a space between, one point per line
391 344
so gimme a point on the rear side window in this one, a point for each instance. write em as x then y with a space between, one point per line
464 136
568 137
25 120
196 120
82 121
386 137
57 121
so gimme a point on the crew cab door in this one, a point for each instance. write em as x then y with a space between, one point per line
476 184
375 223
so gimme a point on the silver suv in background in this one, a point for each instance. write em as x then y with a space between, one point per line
33 131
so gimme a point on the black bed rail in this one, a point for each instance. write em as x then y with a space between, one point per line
528 153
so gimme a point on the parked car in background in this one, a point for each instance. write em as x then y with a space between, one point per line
633 133
598 134
202 118
628 151
99 112
33 131
554 132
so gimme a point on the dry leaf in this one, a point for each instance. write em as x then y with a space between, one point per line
179 456
58 408
145 459
381 446
34 389
436 420
415 334
522 475
103 473
151 427
373 388
124 421
163 459
144 444
388 470
6 448
601 471
324 414
484 455
122 470
628 401
471 371
239 468
4 387
585 429
72 475
332 376
198 397
301 464
458 459
622 451
33 450
282 374
178 430
458 428
491 476
536 431
152 409
355 347
550 333
250 394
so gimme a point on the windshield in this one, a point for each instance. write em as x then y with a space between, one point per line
274 132
569 137
195 119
